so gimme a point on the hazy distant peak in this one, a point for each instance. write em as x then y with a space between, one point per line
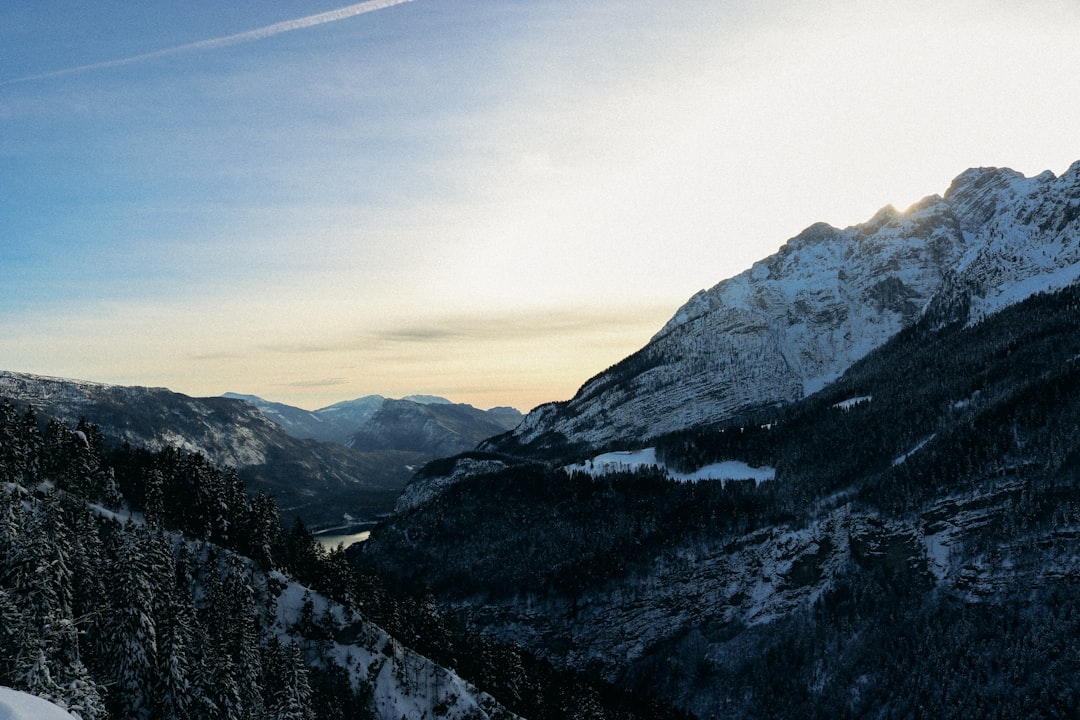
427 400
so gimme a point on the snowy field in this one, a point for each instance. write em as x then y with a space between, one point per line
630 460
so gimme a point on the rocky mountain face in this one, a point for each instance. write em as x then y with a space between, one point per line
798 319
324 483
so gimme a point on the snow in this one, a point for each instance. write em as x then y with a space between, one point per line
404 683
630 460
1011 293
852 402
16 705
919 446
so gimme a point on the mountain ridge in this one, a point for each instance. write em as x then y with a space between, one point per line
794 321
361 422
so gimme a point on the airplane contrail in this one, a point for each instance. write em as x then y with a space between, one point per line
247 36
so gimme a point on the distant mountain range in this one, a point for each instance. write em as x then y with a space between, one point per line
302 458
420 423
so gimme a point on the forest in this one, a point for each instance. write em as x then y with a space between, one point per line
146 584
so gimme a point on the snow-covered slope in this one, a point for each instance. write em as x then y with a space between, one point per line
798 319
16 705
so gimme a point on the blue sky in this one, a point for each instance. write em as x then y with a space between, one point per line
488 200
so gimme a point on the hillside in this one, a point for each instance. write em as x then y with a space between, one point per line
148 584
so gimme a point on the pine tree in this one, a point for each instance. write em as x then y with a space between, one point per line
217 673
286 680
12 460
131 635
33 448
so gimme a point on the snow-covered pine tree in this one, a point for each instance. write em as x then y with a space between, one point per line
286 680
130 632
216 674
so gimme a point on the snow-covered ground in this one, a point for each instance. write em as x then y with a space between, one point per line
918 446
16 705
404 683
852 402
630 460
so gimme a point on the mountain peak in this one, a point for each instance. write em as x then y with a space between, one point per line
796 320
980 180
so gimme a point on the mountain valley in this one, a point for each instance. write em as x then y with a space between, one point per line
301 458
844 483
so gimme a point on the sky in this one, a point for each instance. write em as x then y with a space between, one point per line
488 200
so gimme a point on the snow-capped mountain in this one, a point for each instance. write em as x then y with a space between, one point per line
904 539
798 319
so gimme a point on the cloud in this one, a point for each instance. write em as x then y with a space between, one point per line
306 384
243 37
535 325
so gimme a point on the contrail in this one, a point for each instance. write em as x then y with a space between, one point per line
247 36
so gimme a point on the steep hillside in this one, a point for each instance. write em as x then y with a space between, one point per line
798 319
916 547
321 482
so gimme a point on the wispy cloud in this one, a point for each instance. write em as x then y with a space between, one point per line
247 36
497 327
306 384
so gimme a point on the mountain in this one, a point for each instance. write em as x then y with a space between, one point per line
347 415
425 424
841 484
437 429
326 484
908 537
798 319
330 424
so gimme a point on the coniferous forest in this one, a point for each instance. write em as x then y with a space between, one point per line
158 607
